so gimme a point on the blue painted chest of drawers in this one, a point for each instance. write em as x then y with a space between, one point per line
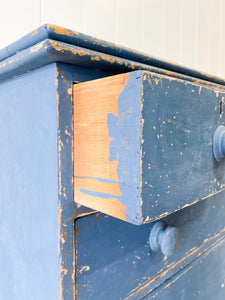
112 173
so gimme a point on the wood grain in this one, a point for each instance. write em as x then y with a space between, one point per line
93 170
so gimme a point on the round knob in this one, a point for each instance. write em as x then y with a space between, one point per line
165 238
219 143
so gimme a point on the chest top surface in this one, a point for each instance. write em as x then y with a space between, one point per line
50 43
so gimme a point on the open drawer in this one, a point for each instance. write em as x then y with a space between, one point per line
143 144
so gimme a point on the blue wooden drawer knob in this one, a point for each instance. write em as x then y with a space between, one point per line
219 143
165 238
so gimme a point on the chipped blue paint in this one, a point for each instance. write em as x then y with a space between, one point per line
25 42
179 168
162 140
37 211
68 211
49 51
124 131
66 206
67 36
199 281
124 148
114 260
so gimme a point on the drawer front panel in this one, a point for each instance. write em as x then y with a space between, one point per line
204 279
111 253
143 145
178 165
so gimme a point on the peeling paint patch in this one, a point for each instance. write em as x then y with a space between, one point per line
37 47
92 133
84 269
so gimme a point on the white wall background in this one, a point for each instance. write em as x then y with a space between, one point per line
188 32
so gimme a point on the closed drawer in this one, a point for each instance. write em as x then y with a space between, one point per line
202 279
111 253
143 145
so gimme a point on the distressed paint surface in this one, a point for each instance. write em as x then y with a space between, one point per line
37 209
112 253
57 33
29 56
38 254
202 279
66 207
48 51
106 144
68 211
148 150
178 165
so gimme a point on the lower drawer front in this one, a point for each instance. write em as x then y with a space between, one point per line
202 279
114 260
